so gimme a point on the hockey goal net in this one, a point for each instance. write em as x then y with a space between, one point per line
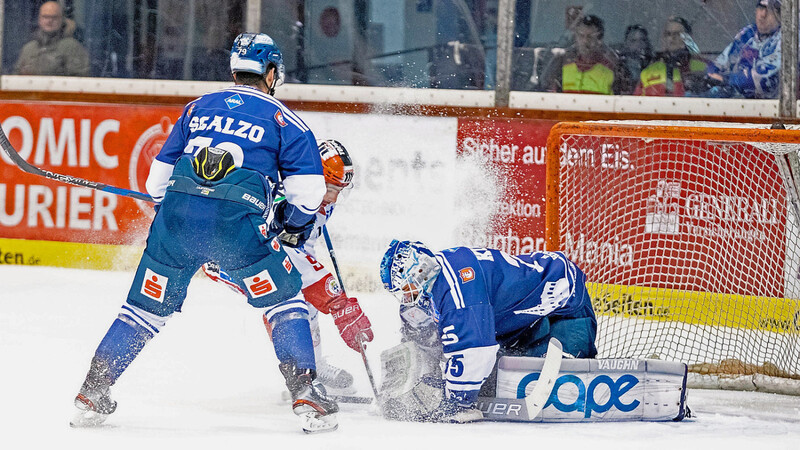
690 241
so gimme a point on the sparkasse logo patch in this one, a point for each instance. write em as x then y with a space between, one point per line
260 284
287 265
154 285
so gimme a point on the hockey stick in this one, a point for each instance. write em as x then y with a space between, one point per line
537 399
69 179
361 346
331 252
351 399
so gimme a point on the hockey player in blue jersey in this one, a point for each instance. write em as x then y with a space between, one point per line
320 288
484 301
213 181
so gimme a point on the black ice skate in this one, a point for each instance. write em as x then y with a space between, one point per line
309 400
94 401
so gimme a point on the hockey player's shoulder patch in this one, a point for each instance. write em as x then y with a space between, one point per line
279 118
466 274
234 101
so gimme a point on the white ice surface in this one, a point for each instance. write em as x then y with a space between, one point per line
210 380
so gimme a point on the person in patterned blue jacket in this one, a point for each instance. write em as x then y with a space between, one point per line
485 300
214 183
750 66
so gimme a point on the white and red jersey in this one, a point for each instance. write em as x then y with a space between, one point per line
319 285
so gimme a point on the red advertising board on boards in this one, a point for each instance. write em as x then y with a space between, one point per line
111 144
515 151
115 144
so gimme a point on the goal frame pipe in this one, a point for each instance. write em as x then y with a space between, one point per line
684 133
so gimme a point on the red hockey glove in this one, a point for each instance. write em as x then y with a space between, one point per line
351 322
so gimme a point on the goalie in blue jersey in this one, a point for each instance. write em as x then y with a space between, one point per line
479 302
214 180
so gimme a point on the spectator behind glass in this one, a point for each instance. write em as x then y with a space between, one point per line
636 53
589 66
678 68
53 50
750 66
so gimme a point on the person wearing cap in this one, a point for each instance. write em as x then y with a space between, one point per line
214 182
678 67
750 66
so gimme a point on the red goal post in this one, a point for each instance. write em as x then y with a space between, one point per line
690 241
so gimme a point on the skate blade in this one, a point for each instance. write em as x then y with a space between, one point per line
87 419
313 422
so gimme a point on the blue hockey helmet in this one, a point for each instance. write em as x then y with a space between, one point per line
408 270
256 53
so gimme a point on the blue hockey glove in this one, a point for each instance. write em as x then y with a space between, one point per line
291 225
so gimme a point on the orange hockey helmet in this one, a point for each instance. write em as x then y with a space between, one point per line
336 163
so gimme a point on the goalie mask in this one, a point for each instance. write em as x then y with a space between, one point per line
408 271
256 53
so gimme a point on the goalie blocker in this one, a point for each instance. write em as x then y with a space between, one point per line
586 390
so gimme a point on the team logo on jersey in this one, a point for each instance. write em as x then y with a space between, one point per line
287 265
279 118
275 244
261 284
263 229
332 287
234 101
154 285
467 274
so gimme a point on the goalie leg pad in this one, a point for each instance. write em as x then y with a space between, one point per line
593 390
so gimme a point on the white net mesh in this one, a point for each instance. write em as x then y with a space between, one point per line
690 241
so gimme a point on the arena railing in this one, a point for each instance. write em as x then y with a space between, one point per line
396 100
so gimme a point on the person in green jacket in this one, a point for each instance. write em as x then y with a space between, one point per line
53 50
